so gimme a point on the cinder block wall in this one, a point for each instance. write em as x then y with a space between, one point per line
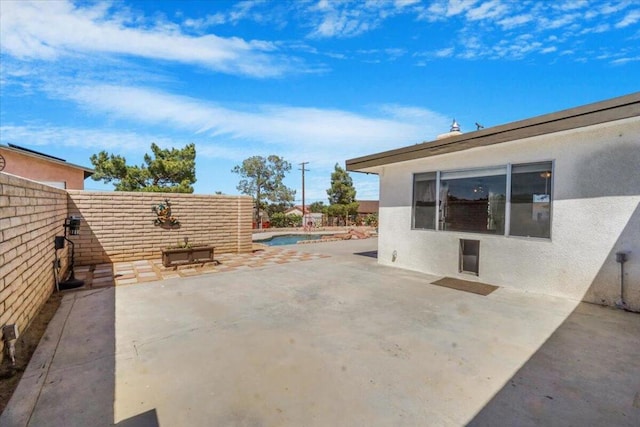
118 226
31 215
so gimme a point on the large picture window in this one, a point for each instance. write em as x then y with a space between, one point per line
504 200
531 200
474 200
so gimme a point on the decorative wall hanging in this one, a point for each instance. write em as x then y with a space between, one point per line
163 211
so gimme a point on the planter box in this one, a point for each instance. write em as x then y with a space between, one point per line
183 256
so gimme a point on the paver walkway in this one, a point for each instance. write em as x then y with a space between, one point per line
132 272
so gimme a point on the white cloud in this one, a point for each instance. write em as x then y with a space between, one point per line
478 25
61 136
343 23
597 29
344 19
455 7
50 30
630 18
320 132
395 53
444 53
242 9
622 61
609 8
515 21
473 47
206 22
572 5
405 3
557 22
487 10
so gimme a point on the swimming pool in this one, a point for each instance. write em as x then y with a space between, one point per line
288 239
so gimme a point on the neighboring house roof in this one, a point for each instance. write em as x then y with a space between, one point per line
368 206
297 208
600 112
28 152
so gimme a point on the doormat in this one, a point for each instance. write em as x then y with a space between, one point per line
465 285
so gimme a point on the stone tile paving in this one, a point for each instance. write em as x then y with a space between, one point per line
129 273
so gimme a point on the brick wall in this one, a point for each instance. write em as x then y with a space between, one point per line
31 215
118 226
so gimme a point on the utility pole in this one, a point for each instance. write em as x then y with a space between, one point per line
304 216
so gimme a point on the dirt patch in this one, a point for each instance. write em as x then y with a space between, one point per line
25 346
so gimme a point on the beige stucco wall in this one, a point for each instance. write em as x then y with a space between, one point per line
595 213
31 215
42 170
119 226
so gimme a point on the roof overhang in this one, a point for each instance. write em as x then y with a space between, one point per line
587 115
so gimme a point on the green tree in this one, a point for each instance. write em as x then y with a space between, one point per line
262 179
278 220
280 207
169 170
317 207
342 195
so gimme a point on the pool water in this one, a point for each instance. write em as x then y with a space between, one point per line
288 239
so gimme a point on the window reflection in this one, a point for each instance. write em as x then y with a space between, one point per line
475 204
531 200
424 200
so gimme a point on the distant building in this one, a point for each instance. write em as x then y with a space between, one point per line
368 207
312 219
297 210
366 210
42 168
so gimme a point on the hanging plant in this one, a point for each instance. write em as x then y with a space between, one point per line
164 217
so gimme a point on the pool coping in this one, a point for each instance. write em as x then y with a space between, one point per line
258 237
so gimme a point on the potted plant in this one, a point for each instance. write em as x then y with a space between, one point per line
185 253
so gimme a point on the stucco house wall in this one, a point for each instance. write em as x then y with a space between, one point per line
595 213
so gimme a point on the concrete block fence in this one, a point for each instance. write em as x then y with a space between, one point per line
119 226
31 215
115 226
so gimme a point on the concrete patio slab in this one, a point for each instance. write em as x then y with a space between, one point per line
331 341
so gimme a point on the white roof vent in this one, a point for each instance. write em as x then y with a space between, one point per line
455 130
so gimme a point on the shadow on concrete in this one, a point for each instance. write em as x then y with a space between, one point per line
370 254
70 379
586 373
145 419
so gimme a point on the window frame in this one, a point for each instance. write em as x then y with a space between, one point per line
551 201
414 201
508 188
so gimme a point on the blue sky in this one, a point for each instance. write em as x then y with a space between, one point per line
312 81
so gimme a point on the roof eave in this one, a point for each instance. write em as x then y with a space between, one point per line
600 112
